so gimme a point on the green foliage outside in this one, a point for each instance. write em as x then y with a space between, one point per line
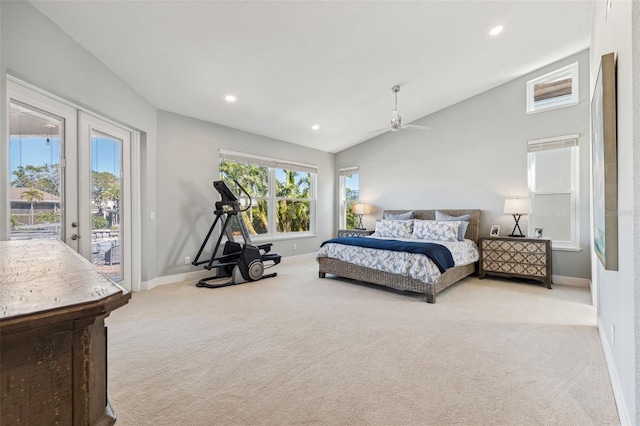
98 222
352 218
43 178
255 180
32 195
105 187
13 221
292 213
50 216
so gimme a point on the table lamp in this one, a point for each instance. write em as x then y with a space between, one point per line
360 209
516 207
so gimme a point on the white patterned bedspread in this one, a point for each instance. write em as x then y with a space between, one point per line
416 266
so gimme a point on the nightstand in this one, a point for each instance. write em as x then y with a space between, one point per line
516 257
354 232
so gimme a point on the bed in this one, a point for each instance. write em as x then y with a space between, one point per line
429 286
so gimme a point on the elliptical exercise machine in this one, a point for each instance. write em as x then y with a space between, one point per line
239 263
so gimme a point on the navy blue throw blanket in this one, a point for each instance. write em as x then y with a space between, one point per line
440 255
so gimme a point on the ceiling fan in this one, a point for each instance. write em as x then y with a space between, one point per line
396 120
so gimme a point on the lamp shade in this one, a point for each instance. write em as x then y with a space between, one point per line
517 206
361 208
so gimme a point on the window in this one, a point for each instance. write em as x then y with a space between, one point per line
553 190
283 200
349 195
554 90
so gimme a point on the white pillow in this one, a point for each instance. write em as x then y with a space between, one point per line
394 228
435 230
462 229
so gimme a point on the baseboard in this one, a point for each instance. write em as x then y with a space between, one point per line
580 282
172 279
615 382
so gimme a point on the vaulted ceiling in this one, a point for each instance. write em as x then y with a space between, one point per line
293 64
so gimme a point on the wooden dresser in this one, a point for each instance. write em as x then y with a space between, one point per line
53 341
516 257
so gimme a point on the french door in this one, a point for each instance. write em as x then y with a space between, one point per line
69 180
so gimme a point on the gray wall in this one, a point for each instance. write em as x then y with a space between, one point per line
475 156
40 53
187 166
618 295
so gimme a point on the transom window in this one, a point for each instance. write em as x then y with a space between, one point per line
553 90
553 190
283 194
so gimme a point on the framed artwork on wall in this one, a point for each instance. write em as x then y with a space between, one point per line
605 170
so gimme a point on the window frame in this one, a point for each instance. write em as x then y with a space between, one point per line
271 198
567 141
343 173
558 101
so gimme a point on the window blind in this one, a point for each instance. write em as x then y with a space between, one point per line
553 143
240 158
348 171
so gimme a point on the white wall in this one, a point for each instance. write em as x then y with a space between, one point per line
188 164
176 176
38 52
474 156
617 291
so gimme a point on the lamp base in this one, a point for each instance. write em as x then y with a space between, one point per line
513 233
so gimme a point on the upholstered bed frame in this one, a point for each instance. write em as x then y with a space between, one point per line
400 282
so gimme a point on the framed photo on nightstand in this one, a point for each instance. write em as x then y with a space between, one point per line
495 230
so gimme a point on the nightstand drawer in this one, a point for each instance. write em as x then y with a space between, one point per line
516 257
514 246
511 268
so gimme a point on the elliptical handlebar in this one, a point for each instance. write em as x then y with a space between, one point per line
228 196
248 196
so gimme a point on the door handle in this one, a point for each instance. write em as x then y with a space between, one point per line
75 237
74 224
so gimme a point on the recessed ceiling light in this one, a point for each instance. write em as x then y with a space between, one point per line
315 126
230 98
496 30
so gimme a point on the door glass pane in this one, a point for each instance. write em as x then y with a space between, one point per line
35 175
106 187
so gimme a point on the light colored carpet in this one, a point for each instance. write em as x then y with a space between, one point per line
299 350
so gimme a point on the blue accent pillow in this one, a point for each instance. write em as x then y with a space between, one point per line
400 216
462 229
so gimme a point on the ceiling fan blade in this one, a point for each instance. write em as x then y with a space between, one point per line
413 126
379 130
